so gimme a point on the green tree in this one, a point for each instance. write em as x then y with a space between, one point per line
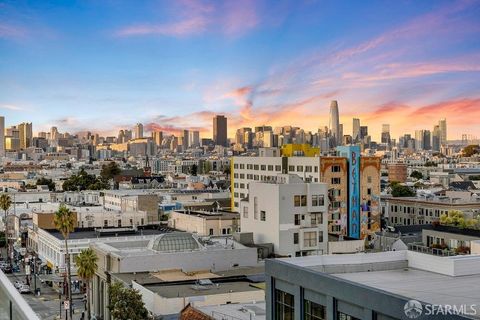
399 190
207 167
46 182
126 303
64 221
416 175
5 204
84 181
470 150
193 170
86 268
109 171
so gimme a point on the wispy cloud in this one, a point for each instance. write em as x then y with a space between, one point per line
11 107
10 31
232 18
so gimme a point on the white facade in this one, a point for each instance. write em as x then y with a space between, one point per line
289 213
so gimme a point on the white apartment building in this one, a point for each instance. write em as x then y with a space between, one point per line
289 213
247 169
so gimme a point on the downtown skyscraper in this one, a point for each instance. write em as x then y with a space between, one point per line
334 124
220 130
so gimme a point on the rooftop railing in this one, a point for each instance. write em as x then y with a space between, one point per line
12 304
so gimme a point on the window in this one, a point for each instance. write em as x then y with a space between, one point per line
336 204
369 191
314 311
297 219
262 215
318 200
310 239
131 222
278 168
255 167
284 306
295 238
369 179
344 316
242 166
316 218
336 168
336 181
320 236
119 223
105 223
296 201
245 212
263 167
210 231
308 168
299 168
303 200
291 168
270 167
316 169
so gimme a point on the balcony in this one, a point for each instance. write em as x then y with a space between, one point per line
419 247
12 304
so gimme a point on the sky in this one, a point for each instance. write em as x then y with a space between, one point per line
106 65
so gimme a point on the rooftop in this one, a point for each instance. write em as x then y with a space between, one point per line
431 279
210 215
89 233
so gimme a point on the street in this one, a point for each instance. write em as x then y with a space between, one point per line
47 305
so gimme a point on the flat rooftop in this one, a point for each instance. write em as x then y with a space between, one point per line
91 234
240 311
431 279
188 290
422 285
210 215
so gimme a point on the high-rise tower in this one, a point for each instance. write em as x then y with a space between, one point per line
334 123
220 130
443 131
138 131
2 136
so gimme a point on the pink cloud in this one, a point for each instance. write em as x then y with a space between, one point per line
240 16
189 26
12 31
231 18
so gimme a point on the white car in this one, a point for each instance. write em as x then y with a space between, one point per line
24 289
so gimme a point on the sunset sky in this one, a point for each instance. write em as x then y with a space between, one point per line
105 65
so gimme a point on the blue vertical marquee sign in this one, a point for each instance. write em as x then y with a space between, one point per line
352 153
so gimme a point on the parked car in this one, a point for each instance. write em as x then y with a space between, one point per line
7 269
24 289
17 284
16 268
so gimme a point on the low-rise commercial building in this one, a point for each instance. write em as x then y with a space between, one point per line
167 259
205 223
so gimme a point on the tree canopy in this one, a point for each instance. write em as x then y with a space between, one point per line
46 182
416 175
84 181
470 150
110 170
399 190
126 303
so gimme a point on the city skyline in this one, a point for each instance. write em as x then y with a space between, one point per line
175 65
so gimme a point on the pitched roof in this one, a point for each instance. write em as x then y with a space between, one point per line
190 313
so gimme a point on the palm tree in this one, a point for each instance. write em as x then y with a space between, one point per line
86 268
64 221
5 204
